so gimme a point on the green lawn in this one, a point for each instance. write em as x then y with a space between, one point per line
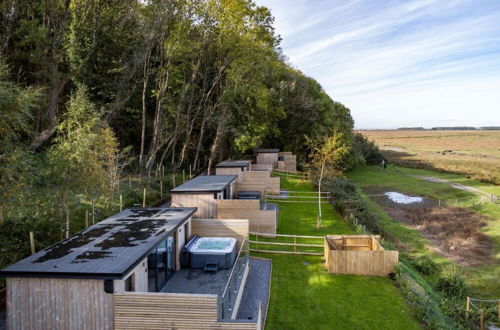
305 296
484 279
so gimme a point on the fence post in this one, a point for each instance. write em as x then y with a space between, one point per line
93 211
121 202
294 244
183 176
173 180
129 182
86 218
144 198
481 319
190 171
32 242
161 188
467 307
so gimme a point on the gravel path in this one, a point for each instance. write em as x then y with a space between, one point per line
256 289
452 184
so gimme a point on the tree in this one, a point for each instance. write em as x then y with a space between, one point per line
328 157
83 157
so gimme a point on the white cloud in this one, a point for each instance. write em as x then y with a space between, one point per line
396 63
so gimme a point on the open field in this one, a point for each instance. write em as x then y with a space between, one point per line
463 234
305 296
473 153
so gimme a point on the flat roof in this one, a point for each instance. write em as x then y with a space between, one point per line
106 250
234 163
267 151
205 183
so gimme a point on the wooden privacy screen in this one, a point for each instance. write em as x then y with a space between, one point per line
53 303
230 171
237 228
289 162
259 221
171 311
270 158
261 167
358 255
259 181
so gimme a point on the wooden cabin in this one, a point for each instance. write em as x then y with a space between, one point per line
70 285
203 192
287 162
233 167
268 157
125 273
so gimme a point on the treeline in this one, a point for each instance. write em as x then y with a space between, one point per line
91 88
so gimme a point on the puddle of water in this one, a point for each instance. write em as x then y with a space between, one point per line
402 198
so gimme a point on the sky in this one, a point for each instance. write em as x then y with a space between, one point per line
399 63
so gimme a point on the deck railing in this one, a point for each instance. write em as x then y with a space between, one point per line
230 294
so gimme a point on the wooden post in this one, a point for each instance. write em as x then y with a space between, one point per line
162 171
32 242
93 212
129 182
121 202
481 319
183 176
190 171
439 203
161 188
86 218
467 307
173 180
144 198
294 244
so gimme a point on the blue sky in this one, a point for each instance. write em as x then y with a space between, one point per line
399 63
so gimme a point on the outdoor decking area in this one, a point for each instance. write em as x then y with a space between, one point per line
196 281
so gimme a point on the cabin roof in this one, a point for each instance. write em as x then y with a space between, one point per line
268 151
205 183
234 163
106 250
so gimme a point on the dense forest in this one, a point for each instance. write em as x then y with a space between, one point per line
93 91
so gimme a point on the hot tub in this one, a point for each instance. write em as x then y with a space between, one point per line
212 251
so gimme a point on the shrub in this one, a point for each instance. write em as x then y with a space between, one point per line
452 286
424 265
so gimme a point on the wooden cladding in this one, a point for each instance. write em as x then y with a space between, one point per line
204 202
289 162
171 311
261 221
53 303
270 158
237 228
358 255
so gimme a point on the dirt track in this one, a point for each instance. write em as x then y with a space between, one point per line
455 232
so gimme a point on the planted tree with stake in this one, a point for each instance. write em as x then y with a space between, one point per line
329 156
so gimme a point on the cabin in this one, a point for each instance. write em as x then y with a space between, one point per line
148 268
233 167
267 159
287 162
203 192
221 197
249 179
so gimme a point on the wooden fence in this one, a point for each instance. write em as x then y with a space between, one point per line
286 244
145 310
264 221
358 255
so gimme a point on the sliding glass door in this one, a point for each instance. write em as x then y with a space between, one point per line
161 264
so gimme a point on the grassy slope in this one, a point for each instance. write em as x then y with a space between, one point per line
305 296
485 279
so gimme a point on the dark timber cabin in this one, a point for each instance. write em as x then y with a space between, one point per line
233 167
203 192
70 285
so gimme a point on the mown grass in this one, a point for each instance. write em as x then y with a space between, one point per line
484 279
305 296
